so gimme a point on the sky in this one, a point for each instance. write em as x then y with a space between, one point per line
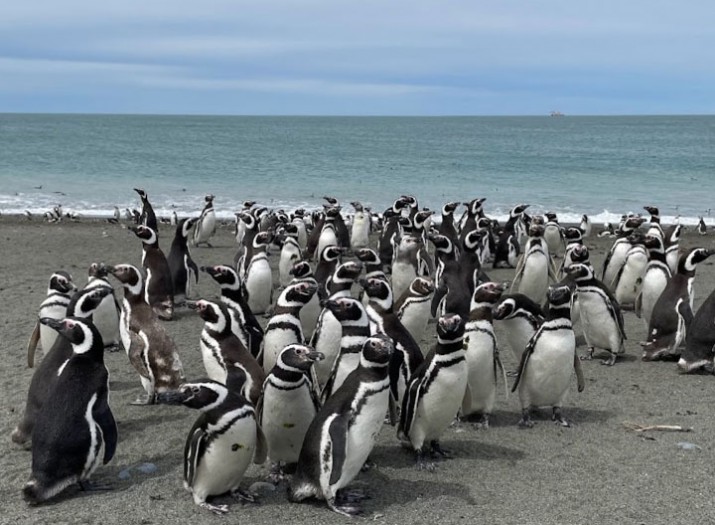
372 57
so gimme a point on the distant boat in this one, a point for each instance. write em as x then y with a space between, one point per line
556 113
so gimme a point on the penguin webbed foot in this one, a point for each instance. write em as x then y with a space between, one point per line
368 465
610 361
86 485
244 495
277 474
559 419
588 356
144 400
219 510
421 464
437 450
525 421
483 423
350 496
344 508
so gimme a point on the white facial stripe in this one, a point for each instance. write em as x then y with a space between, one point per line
86 345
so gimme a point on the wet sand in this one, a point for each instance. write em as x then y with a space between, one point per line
595 472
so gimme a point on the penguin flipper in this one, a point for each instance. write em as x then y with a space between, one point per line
261 453
580 382
135 351
338 432
409 405
525 358
685 312
194 268
616 312
553 270
32 345
194 450
102 414
439 294
519 271
639 305
499 366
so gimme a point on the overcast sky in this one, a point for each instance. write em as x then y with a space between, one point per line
367 57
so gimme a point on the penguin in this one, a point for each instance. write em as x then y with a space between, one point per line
83 304
404 264
243 323
507 249
184 272
284 327
150 348
600 313
482 355
574 240
75 430
54 306
435 392
549 361
310 313
360 229
700 340
250 223
343 433
328 260
627 283
446 253
258 283
446 226
468 221
147 217
534 268
327 333
655 228
174 219
221 349
672 247
206 225
413 308
223 440
341 229
390 230
585 226
407 356
673 311
318 219
355 328
655 278
521 318
328 235
702 228
158 287
617 255
290 254
553 234
106 315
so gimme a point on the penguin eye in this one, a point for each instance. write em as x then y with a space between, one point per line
70 325
195 390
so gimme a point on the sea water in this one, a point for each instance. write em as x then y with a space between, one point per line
601 166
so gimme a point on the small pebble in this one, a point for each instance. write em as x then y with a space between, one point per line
147 468
124 474
262 486
684 445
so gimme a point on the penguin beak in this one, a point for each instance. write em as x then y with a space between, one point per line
52 323
316 356
192 305
171 397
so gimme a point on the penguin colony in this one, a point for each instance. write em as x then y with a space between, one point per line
339 355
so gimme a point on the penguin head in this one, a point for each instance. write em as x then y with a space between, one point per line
537 220
654 243
573 235
559 296
441 242
347 272
652 210
580 272
688 261
516 303
248 218
504 309
409 200
209 311
97 270
300 357
551 216
331 212
475 205
209 198
368 256
330 200
142 193
299 293
291 230
61 281
377 288
422 286
487 294
473 240
579 254
130 277
86 301
633 222
448 208
518 210
184 226
345 309
421 218
300 269
376 351
145 233
263 239
331 253
450 328
636 237
80 332
224 275
204 395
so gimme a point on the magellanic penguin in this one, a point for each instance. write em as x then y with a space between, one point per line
447 226
355 328
310 313
534 268
507 249
150 348
288 406
243 323
290 254
343 433
83 304
702 228
585 226
600 313
553 234
483 364
223 441
673 311
106 315
468 221
627 284
360 229
221 349
413 308
158 288
405 264
549 361
258 283
672 246
435 392
700 340
184 272
206 227
147 217
59 293
520 318
284 327
75 430
616 257
655 278
328 235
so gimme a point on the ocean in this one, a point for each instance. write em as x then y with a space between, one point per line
601 166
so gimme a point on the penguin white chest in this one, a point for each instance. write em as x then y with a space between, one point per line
549 369
403 273
518 331
326 340
600 328
630 281
535 277
654 282
440 404
415 316
259 285
287 415
213 359
481 376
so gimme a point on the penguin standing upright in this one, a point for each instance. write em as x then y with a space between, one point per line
507 249
106 315
55 307
184 272
328 235
585 226
521 318
83 304
627 283
482 355
284 327
702 228
534 268
413 308
147 217
553 234
290 254
447 227
258 283
672 246
310 313
468 222
360 230
288 406
601 317
673 311
222 442
549 361
656 277
158 288
700 340
299 222
75 430
206 227
221 349
435 392
150 348
343 433
616 257
243 323
404 264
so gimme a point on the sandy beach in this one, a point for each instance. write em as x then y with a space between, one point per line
598 471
